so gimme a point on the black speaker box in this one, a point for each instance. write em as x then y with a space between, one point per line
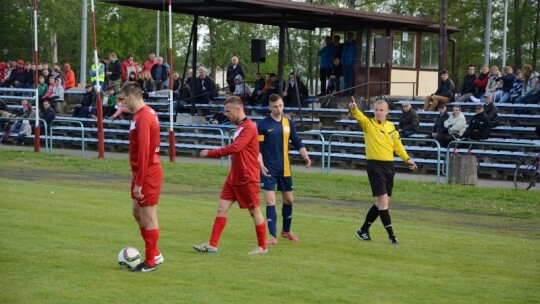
382 50
258 50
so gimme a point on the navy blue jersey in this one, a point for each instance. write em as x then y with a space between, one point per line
274 137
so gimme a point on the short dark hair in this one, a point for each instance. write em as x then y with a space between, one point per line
443 72
274 98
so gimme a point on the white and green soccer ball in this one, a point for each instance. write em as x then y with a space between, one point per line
129 257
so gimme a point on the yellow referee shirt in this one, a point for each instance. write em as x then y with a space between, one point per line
381 138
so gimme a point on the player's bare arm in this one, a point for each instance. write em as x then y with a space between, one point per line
303 152
203 153
264 170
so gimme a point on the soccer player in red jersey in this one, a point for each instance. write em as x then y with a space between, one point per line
242 183
147 172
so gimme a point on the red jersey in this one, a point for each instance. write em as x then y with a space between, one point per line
144 145
245 153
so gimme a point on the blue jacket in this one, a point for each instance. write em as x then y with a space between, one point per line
349 53
327 55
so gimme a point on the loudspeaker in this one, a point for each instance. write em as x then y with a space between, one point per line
258 50
382 50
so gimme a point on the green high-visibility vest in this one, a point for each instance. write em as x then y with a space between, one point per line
101 73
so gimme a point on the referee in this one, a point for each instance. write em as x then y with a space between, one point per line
382 141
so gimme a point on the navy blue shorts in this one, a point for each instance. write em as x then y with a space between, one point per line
284 184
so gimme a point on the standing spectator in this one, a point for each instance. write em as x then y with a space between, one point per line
289 94
382 141
503 94
409 121
148 64
115 72
144 141
234 69
467 87
69 77
531 93
99 77
28 76
491 111
456 125
3 69
256 95
205 88
348 60
275 133
326 55
128 66
106 61
440 131
444 93
160 73
338 47
479 125
242 183
48 115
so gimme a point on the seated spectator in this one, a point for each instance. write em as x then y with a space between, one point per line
205 88
444 93
467 87
531 91
335 81
440 131
28 78
48 115
256 95
289 94
109 101
56 72
16 78
140 79
148 86
121 110
181 89
241 88
28 112
128 66
502 95
87 107
517 88
25 130
409 121
479 126
270 87
69 77
57 92
49 92
456 125
480 83
491 111
493 83
3 69
42 87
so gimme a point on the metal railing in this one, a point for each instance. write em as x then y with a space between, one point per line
479 143
69 121
352 135
213 129
323 144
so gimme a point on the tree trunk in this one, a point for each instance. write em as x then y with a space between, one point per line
212 47
518 32
54 47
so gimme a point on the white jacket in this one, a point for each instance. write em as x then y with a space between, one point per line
456 124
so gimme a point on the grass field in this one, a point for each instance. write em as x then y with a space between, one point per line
64 220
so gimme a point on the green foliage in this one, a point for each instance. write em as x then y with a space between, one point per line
61 236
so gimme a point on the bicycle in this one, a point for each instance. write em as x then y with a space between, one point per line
527 172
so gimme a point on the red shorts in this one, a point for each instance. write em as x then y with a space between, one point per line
246 195
151 187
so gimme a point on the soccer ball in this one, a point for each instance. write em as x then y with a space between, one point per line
129 257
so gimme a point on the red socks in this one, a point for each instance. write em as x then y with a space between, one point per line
142 229
219 224
261 235
150 243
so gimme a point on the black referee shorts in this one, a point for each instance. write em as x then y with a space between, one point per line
381 176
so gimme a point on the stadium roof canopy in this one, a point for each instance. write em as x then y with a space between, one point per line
295 14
